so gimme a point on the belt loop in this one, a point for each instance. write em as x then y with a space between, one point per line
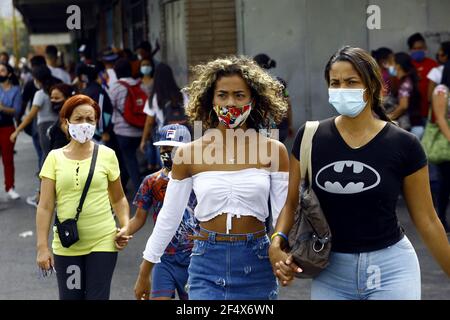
212 237
250 237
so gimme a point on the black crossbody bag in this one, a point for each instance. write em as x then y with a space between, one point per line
67 230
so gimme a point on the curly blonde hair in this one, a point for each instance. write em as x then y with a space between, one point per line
267 92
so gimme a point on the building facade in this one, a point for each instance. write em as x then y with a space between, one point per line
300 35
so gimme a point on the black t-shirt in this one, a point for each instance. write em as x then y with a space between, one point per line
58 138
358 189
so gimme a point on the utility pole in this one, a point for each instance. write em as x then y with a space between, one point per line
15 42
1 31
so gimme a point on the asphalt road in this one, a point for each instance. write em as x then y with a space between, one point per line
18 272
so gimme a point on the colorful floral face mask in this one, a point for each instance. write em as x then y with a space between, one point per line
233 116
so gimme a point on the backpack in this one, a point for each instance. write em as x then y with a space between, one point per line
133 111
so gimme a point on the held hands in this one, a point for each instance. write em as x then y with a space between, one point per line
284 268
122 238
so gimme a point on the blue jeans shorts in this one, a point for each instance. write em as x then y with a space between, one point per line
392 273
238 270
171 275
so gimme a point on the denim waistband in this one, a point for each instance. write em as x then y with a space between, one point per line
243 237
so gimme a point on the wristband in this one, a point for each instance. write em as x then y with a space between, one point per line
280 234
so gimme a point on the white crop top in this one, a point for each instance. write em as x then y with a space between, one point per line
237 193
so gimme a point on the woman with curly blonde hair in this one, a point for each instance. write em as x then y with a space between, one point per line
233 98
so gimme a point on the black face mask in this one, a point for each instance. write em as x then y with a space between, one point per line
166 160
56 106
3 78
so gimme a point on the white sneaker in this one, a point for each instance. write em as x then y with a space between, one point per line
32 201
13 194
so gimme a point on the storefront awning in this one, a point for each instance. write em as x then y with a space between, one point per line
49 16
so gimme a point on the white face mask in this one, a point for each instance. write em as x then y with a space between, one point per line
347 102
81 132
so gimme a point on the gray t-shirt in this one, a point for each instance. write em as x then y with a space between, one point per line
42 101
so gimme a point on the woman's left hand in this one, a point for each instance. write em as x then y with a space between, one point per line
122 238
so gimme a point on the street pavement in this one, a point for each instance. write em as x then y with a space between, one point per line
19 278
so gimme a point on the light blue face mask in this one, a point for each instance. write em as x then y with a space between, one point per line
347 102
392 71
146 70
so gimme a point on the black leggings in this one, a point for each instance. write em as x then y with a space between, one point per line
444 192
85 277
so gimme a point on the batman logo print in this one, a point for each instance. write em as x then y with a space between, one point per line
347 177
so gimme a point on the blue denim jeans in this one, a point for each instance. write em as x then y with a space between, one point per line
171 274
237 270
152 154
392 273
128 147
37 144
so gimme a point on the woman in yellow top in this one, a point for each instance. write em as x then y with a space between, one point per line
85 269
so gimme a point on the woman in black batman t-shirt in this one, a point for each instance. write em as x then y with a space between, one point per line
361 162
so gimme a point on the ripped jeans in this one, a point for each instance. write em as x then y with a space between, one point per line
238 270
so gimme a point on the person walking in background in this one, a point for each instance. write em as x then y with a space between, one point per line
362 216
145 51
64 175
41 108
418 51
59 94
128 135
435 77
51 56
441 115
285 127
435 74
10 104
408 98
147 72
135 63
171 274
28 92
109 58
165 105
386 61
95 91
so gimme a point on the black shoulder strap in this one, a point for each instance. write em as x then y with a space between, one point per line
88 181
86 186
